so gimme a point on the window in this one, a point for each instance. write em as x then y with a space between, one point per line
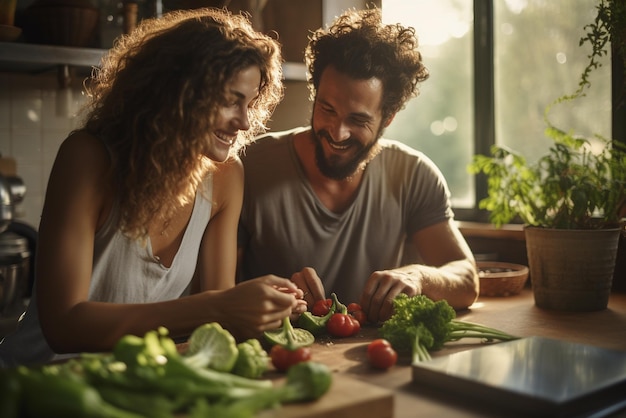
495 67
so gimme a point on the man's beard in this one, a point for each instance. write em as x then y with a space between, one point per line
331 168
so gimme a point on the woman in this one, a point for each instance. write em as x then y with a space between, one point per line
139 223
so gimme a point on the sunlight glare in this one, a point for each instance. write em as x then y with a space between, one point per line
435 22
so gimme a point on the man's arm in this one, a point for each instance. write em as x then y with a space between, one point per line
447 271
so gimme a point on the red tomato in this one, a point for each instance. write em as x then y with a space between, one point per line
353 307
283 358
381 354
360 316
356 325
321 307
356 311
342 325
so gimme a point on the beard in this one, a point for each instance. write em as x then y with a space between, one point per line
334 167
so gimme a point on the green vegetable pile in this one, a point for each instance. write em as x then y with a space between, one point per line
421 325
147 377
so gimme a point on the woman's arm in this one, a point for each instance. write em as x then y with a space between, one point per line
217 259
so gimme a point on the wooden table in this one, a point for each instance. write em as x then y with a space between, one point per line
516 315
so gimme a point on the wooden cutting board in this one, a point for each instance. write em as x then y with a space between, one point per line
347 397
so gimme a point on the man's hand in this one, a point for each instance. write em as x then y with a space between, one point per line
310 283
383 286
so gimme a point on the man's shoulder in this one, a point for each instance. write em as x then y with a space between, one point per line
268 142
395 148
398 156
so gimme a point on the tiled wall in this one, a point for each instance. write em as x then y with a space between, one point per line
35 117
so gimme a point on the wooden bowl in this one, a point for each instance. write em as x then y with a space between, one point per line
501 279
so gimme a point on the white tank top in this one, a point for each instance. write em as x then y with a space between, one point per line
124 271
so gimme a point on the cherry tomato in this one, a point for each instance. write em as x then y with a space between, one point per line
342 325
381 354
353 307
321 307
356 311
283 358
360 316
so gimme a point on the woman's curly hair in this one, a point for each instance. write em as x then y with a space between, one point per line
359 45
155 97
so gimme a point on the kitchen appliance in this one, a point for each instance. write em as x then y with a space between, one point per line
14 248
14 271
12 190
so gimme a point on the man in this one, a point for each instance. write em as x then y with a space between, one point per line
334 205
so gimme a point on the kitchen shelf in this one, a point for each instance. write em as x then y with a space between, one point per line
31 58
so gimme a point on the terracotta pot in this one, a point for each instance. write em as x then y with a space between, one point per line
571 270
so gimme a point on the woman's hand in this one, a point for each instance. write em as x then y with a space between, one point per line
259 305
301 304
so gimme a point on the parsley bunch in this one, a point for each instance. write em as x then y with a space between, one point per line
421 325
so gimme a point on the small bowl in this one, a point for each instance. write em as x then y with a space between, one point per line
501 279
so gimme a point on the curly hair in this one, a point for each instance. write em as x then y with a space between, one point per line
156 95
359 45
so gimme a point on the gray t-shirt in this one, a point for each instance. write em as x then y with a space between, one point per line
284 227
124 271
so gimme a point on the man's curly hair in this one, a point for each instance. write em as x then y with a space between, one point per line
154 100
359 45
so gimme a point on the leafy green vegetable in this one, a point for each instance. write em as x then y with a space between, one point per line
153 361
290 337
49 392
421 325
306 381
10 389
212 346
252 360
147 377
142 402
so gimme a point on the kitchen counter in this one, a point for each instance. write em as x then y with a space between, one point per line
514 314
358 390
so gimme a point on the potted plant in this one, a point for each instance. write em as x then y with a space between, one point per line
571 200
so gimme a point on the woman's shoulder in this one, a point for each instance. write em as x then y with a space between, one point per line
82 154
227 184
229 174
231 167
83 147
